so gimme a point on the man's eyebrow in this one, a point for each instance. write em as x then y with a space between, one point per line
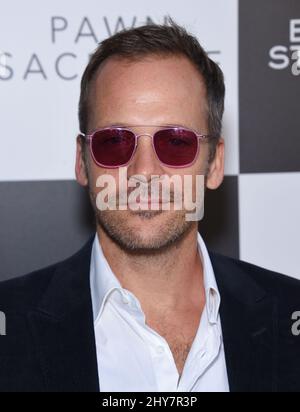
124 124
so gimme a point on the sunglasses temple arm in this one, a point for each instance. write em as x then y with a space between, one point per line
87 137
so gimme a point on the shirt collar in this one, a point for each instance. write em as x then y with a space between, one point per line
103 281
212 295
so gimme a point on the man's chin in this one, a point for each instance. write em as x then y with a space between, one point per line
144 232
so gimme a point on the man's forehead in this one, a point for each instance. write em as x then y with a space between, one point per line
154 86
147 68
139 96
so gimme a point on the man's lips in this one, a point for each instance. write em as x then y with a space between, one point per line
149 202
145 199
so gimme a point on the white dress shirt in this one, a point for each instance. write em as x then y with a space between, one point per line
132 357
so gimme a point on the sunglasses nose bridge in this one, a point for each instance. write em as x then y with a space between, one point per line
144 134
144 161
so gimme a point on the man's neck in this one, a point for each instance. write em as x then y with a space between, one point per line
168 281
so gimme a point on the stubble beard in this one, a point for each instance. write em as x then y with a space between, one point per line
117 226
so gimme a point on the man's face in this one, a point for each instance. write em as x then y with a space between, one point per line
154 91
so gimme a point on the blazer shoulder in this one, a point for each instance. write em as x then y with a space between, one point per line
22 293
271 281
19 293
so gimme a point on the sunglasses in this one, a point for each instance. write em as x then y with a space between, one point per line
175 146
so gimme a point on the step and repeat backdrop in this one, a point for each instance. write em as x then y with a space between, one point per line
44 46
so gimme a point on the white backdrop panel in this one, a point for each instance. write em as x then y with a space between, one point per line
38 105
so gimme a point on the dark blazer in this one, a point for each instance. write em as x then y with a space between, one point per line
50 344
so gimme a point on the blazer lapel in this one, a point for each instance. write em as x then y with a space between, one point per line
63 329
249 326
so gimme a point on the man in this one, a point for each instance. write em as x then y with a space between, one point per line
144 306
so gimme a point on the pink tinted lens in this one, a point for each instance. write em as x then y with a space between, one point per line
176 147
113 147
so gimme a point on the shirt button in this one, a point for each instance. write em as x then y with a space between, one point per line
160 349
125 300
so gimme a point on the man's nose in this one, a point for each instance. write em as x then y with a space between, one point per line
145 161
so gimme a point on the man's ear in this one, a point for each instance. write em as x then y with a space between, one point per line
216 168
80 165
